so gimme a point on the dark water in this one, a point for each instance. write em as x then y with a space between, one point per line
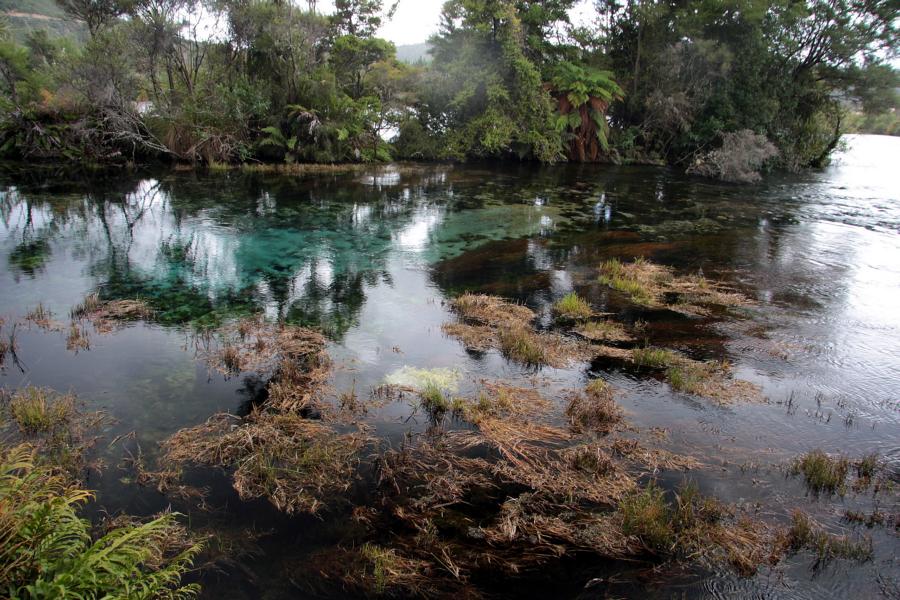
371 258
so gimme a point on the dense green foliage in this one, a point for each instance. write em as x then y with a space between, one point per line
47 551
696 84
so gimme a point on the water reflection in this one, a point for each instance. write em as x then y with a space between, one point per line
198 250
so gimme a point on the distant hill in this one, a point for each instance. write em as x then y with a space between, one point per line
410 53
28 15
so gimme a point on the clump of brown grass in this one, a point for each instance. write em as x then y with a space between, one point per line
374 570
655 358
77 338
7 344
594 409
86 307
500 400
537 530
603 331
255 345
293 462
649 284
275 452
481 309
107 315
478 338
654 459
519 343
126 310
710 379
694 527
488 322
522 345
40 316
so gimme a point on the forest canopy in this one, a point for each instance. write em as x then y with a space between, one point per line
717 87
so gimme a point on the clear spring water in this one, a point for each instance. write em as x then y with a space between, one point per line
371 257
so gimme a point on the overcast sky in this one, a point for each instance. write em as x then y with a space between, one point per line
416 20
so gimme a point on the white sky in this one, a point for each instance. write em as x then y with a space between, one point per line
416 20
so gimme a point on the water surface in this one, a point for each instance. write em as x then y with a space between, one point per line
371 259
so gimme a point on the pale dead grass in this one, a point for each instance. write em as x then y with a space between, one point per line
294 462
649 284
491 323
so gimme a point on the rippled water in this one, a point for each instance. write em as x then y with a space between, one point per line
371 258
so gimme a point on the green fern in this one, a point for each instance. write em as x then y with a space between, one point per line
46 550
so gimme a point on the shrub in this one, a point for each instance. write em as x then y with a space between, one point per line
739 159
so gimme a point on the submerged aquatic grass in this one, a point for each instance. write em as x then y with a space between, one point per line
595 409
805 533
603 331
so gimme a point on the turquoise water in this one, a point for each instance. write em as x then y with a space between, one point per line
371 259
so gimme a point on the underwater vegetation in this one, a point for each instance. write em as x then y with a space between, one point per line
278 451
594 408
805 533
603 331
